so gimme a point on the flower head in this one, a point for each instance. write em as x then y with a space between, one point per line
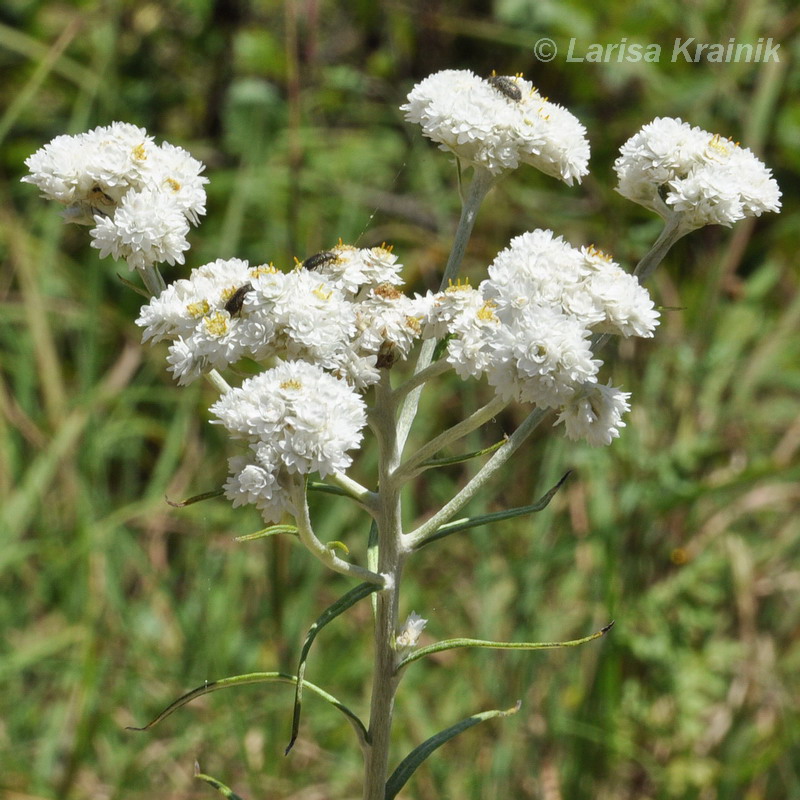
139 197
595 413
498 124
295 418
670 165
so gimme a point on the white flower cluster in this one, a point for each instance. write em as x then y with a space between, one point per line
296 419
499 123
338 309
140 198
528 328
669 164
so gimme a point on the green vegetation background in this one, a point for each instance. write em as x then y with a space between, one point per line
685 531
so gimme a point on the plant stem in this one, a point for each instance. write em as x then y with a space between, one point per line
655 255
297 491
502 454
482 181
391 556
410 468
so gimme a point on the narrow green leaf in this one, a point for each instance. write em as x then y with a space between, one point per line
452 644
372 560
487 519
273 530
409 764
342 604
218 785
257 677
446 462
134 287
326 488
196 499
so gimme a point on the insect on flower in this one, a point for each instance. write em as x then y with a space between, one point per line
505 86
319 259
236 300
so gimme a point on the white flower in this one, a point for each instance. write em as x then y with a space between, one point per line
313 321
301 418
479 340
140 197
625 306
708 178
147 228
438 311
93 169
350 269
184 362
538 268
176 173
498 124
387 324
226 310
252 482
595 414
410 632
548 356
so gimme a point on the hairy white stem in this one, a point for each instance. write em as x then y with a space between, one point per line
358 492
669 235
482 181
297 491
391 556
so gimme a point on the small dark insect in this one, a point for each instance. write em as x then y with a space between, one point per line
319 259
236 300
386 356
506 86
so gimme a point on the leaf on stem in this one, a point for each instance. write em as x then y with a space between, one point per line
272 530
257 677
409 764
446 462
342 604
131 285
196 499
486 519
452 644
372 560
326 488
218 785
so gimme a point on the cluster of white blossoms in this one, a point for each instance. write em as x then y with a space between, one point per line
528 329
336 321
670 165
140 198
499 123
338 309
295 419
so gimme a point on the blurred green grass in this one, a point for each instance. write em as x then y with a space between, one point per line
685 530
